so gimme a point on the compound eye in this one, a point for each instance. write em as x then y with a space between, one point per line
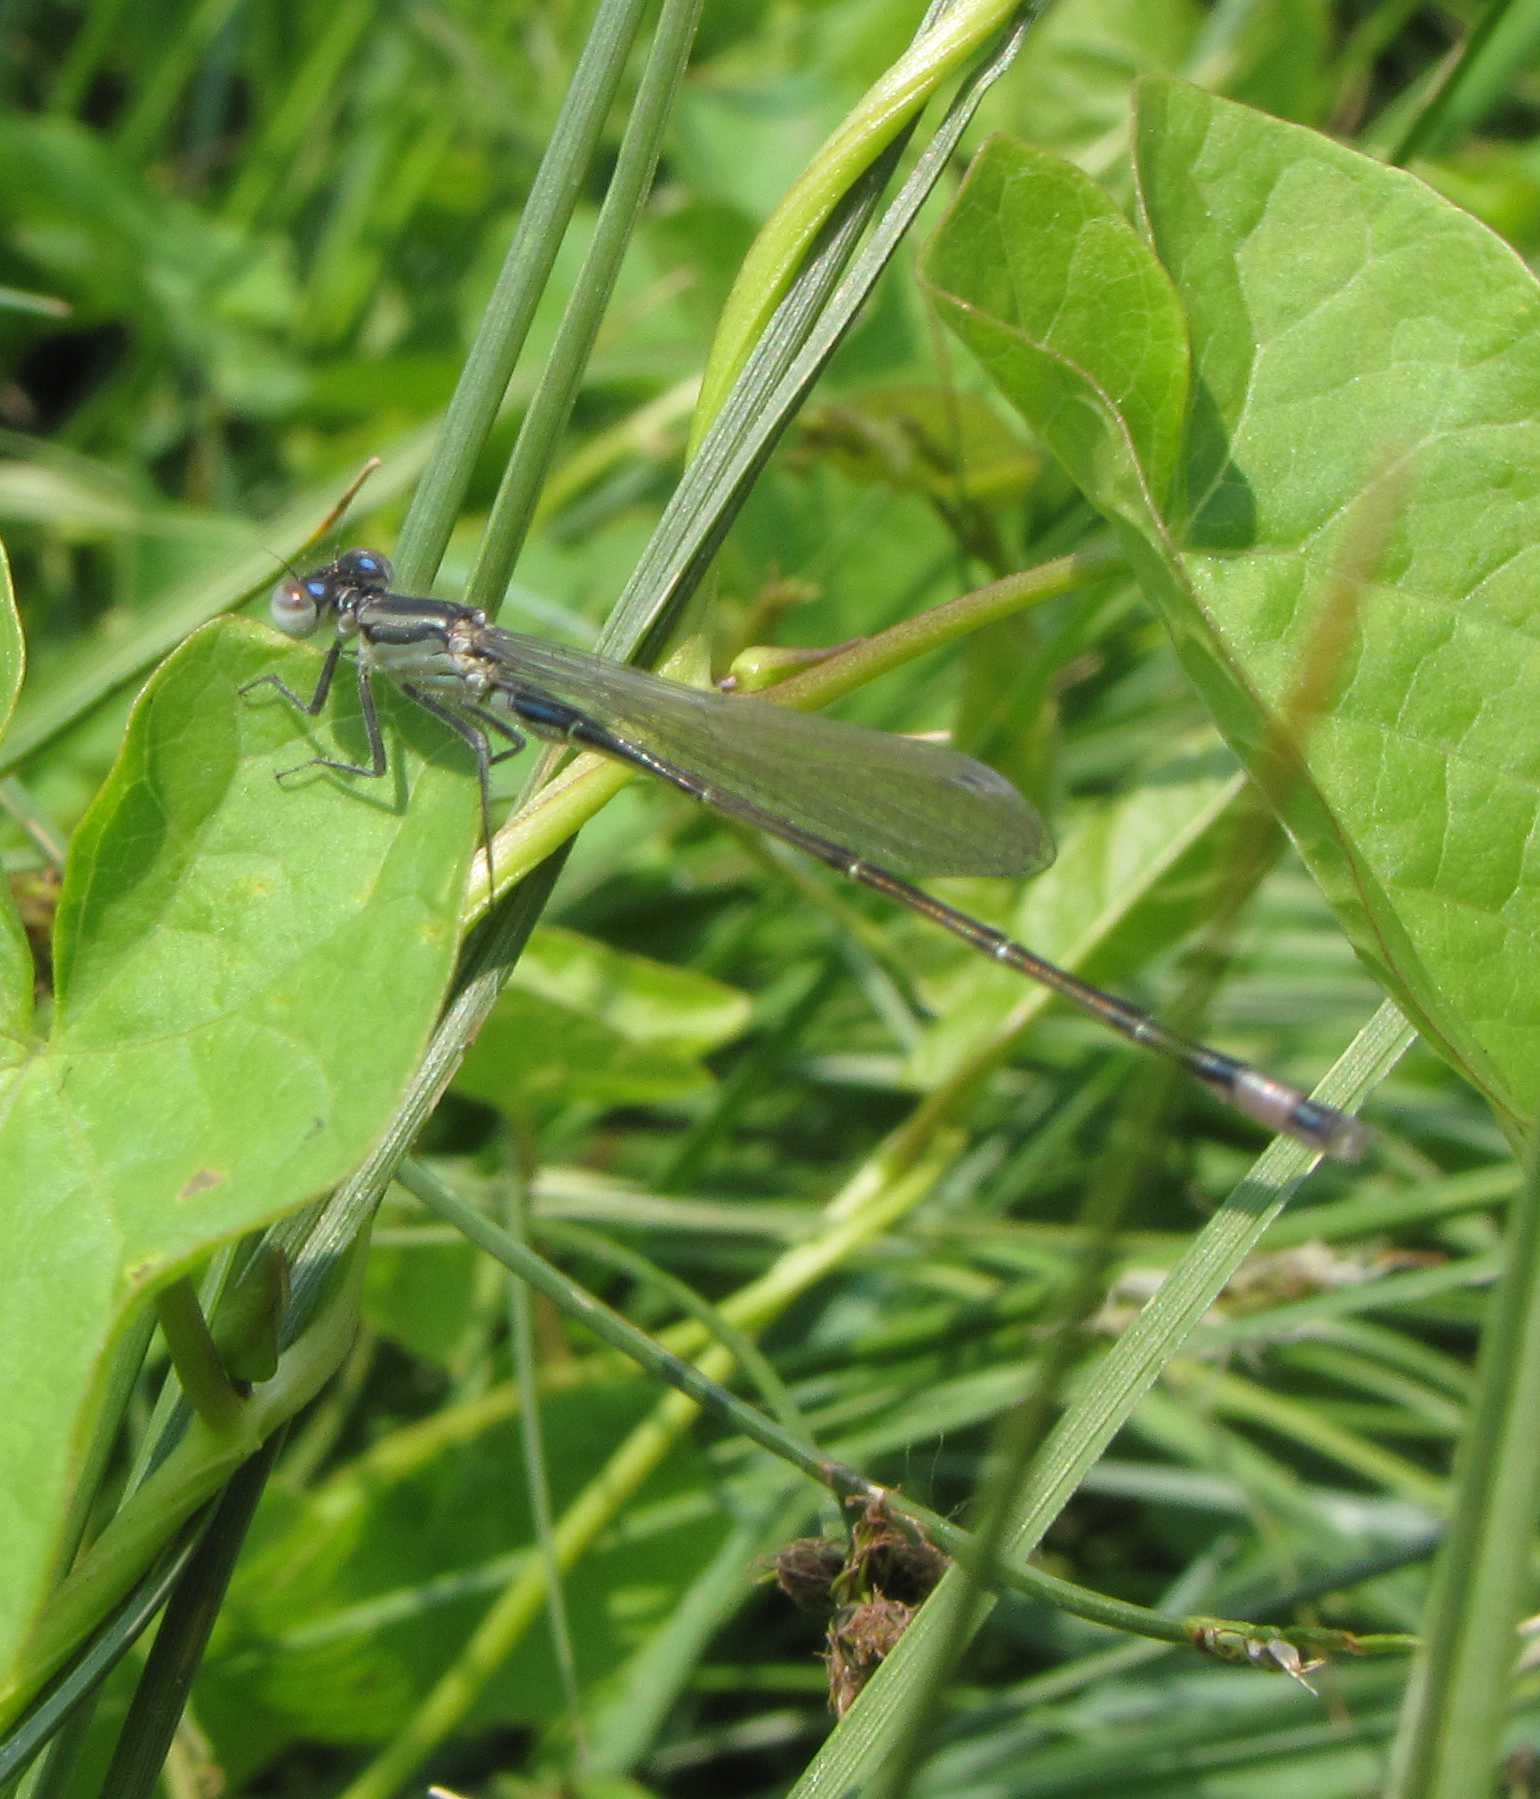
367 567
296 606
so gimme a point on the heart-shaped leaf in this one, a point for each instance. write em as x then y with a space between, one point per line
1315 430
246 975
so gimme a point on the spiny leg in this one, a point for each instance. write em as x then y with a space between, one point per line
378 761
517 741
312 706
474 734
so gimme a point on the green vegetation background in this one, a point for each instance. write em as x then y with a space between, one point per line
275 230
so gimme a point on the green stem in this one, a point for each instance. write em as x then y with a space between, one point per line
196 1359
776 254
195 1470
1002 1572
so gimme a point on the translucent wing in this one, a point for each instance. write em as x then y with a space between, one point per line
914 806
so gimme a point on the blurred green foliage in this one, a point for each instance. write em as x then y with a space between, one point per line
246 247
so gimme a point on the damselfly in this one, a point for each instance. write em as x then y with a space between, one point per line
853 799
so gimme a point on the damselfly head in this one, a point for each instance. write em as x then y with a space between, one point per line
363 568
297 602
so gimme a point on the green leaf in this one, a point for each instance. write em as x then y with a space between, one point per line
1105 380
1344 549
645 1001
578 1018
430 1298
247 973
532 1053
